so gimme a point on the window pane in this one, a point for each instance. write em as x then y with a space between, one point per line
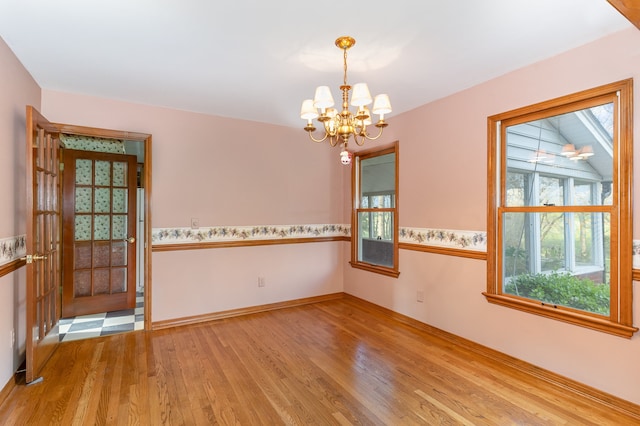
381 201
552 241
516 189
582 194
376 247
565 263
551 191
378 181
576 145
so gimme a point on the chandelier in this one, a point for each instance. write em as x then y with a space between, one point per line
340 126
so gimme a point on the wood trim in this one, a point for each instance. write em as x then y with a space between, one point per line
12 266
177 322
246 243
569 316
447 251
147 232
635 274
71 129
625 202
630 9
390 272
613 402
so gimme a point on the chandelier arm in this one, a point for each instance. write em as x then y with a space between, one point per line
373 138
333 141
317 140
361 141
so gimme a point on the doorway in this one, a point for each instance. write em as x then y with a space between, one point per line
136 312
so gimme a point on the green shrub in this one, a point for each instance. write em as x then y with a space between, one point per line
562 289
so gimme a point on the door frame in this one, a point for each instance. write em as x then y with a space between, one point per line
146 139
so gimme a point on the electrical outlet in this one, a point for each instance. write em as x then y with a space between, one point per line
420 296
195 223
12 338
261 282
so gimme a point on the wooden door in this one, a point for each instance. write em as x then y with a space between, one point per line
42 242
99 222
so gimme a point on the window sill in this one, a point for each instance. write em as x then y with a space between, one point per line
571 317
376 269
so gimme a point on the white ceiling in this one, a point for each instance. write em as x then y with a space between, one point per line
257 59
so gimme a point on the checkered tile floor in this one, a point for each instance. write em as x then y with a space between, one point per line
86 326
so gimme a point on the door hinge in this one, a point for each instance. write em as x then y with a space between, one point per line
61 166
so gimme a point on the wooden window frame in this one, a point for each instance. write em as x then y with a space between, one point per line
620 320
355 209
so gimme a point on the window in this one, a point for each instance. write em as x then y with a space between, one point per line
559 225
374 220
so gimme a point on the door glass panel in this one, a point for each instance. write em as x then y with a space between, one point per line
82 227
101 254
84 172
100 281
103 173
119 227
82 283
118 280
102 202
120 200
101 227
119 253
119 173
82 256
83 200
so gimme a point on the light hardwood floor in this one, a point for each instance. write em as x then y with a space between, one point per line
337 362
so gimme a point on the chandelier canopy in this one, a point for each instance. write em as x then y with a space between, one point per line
340 126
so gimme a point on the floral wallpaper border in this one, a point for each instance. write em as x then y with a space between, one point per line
12 248
465 240
161 236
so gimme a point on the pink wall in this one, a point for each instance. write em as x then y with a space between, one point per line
17 90
443 185
220 170
227 172
233 172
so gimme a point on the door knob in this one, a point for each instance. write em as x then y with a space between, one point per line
31 257
130 240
